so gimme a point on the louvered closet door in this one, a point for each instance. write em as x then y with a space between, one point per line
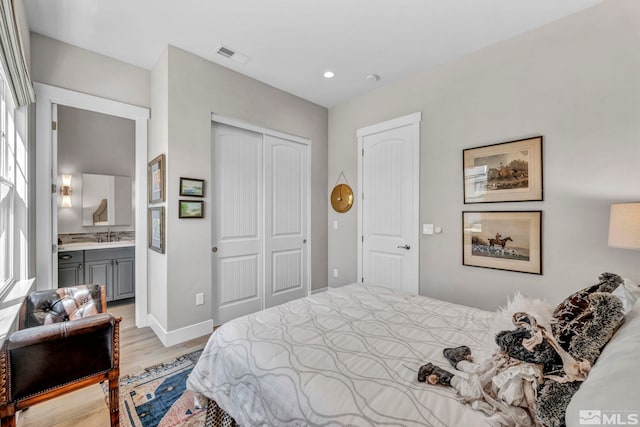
237 219
286 213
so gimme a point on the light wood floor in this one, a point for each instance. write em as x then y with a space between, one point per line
139 348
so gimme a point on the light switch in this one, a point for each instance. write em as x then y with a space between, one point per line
427 228
335 224
335 272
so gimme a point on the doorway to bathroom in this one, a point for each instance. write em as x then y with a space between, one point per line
91 165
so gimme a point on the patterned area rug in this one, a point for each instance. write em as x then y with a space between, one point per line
158 396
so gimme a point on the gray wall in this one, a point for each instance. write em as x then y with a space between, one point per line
198 88
63 65
158 144
94 143
575 81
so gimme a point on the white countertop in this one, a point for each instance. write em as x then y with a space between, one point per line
84 246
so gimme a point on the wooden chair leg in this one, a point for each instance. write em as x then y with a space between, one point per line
9 421
114 400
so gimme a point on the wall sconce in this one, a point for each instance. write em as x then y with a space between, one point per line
65 191
624 226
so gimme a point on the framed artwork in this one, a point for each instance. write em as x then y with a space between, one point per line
192 187
156 229
155 172
191 209
505 240
506 172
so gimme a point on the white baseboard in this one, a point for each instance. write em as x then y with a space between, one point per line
317 291
169 338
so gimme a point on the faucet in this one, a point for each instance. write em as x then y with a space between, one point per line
108 235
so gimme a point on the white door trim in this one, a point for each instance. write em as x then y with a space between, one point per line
410 119
46 96
248 126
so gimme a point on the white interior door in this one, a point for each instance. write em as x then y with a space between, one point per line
389 171
237 222
286 213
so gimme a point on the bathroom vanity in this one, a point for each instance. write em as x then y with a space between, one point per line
111 264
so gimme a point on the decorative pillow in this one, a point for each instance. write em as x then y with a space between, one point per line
591 314
503 319
612 386
628 292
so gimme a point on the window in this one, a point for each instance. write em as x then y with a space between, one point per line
13 190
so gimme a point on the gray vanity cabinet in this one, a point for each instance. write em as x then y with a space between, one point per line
124 272
70 268
100 272
112 267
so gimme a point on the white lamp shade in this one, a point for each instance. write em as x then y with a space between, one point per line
66 180
624 226
66 202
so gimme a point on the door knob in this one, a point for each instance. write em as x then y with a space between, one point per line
407 247
214 249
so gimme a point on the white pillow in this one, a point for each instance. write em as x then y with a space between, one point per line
613 385
628 292
502 321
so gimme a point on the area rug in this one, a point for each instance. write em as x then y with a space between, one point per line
158 396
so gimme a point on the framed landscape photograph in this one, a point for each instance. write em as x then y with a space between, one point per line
505 240
191 209
192 187
506 172
156 229
155 172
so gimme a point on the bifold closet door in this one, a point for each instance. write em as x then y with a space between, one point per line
286 216
237 222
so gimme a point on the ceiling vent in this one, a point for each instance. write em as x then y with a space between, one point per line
232 55
225 51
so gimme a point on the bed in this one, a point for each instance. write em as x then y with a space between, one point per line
348 356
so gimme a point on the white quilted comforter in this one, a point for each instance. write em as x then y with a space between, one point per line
349 356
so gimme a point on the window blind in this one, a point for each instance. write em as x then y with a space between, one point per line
12 57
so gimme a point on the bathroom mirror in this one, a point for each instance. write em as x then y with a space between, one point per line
106 200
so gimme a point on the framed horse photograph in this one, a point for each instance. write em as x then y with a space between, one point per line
503 240
505 172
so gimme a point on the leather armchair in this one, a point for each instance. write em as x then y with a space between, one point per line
65 341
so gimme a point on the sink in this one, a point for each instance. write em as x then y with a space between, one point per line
83 246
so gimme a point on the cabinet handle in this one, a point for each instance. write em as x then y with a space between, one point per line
116 261
79 266
65 257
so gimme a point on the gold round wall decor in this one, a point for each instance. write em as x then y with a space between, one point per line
342 198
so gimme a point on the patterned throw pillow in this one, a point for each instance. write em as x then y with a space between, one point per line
586 320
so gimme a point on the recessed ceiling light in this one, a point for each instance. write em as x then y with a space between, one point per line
328 74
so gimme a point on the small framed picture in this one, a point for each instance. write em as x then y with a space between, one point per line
156 229
506 172
155 172
191 209
503 240
192 187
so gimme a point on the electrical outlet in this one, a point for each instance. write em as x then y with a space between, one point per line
199 298
335 272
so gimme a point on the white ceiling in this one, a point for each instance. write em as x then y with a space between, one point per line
290 43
